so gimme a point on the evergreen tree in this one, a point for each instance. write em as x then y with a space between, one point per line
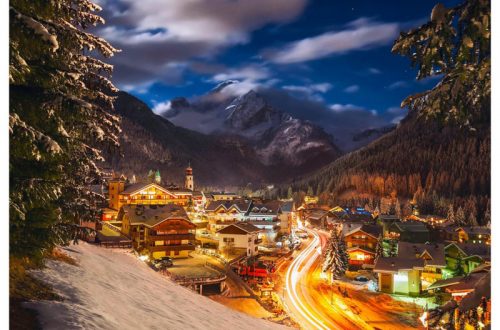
310 191
450 216
379 249
335 257
393 248
459 268
460 219
487 216
59 121
397 210
455 44
289 194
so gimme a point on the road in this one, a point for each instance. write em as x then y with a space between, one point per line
314 304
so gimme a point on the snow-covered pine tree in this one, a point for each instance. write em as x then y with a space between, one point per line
58 123
460 219
379 249
335 258
455 43
450 216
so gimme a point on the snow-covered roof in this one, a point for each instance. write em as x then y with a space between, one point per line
152 215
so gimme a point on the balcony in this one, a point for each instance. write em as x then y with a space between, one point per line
178 247
172 237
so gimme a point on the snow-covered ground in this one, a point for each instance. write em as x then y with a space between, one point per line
111 289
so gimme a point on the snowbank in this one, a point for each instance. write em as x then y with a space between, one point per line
110 289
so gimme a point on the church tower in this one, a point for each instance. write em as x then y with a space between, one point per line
157 178
189 183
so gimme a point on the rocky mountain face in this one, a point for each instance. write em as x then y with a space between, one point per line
259 146
277 138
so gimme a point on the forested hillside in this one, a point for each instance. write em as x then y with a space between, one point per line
420 161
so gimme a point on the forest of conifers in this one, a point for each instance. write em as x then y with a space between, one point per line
420 162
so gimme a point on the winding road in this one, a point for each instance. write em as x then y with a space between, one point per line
312 302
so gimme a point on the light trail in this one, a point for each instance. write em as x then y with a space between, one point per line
293 275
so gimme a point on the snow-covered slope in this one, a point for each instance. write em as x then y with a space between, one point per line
111 289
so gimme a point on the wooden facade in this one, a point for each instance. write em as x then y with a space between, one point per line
160 233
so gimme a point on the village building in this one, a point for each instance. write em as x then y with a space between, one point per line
470 256
361 242
265 216
122 192
318 218
399 275
409 231
287 217
239 238
158 230
474 234
433 256
222 213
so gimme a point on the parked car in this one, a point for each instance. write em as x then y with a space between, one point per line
163 262
361 278
205 234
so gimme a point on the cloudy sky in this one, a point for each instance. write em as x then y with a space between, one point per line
333 56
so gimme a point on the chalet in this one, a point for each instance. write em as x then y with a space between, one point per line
399 275
265 216
351 218
361 242
158 230
318 217
239 237
433 256
121 192
221 213
470 255
449 233
461 286
409 231
474 234
415 268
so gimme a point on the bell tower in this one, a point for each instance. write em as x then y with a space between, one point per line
189 183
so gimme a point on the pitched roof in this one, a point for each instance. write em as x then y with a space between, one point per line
412 226
475 230
412 250
270 207
445 283
152 215
470 249
481 289
239 228
241 205
372 230
394 264
135 187
287 206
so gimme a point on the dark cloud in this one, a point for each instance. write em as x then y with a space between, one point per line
156 37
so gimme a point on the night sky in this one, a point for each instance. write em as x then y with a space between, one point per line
330 54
